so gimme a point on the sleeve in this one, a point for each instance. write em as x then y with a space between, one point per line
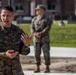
2 53
32 26
24 50
48 26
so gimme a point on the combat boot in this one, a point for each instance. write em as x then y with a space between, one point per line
37 69
47 69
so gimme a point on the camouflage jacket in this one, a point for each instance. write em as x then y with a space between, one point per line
10 38
42 25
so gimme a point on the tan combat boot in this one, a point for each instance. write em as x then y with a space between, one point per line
38 69
47 69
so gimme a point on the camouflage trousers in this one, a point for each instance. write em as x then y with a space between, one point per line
10 67
38 47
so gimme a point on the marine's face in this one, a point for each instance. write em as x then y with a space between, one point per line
6 18
39 12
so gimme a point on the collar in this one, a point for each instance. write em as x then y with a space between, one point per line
5 28
40 17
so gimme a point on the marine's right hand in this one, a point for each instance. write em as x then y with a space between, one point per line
37 35
11 54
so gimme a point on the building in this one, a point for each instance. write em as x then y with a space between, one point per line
56 8
59 8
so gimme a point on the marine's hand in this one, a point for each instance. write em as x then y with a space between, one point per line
37 35
11 54
26 39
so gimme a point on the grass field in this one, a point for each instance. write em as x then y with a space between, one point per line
60 36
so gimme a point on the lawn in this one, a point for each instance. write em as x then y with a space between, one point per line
60 36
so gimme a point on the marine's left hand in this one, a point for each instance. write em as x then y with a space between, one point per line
11 54
26 39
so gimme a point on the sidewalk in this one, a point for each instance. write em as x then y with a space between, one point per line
58 52
54 52
32 73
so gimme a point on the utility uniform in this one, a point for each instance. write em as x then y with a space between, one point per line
10 39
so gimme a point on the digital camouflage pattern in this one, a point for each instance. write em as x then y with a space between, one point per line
10 38
42 25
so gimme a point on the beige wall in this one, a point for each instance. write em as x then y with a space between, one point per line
4 2
29 9
75 6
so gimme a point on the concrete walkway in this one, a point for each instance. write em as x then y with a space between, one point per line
58 52
55 52
32 73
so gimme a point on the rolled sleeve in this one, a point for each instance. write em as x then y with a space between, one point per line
2 54
48 26
32 26
24 50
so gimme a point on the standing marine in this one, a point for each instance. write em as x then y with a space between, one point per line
13 41
41 25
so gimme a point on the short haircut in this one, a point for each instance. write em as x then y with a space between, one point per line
9 8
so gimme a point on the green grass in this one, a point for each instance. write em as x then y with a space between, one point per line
60 36
64 36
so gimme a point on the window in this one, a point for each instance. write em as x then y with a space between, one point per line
19 7
51 5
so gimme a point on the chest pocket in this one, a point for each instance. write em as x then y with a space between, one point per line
9 40
43 23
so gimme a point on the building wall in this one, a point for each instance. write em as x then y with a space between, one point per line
75 6
29 6
69 8
38 2
4 2
21 6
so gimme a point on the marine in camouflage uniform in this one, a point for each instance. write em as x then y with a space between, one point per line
11 38
42 25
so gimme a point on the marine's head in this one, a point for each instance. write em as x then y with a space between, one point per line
40 9
7 15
